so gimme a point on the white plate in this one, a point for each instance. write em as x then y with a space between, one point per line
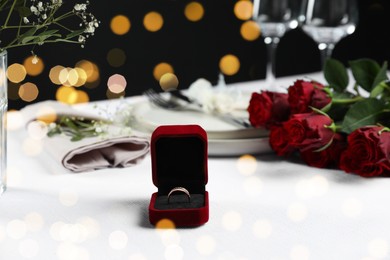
237 147
224 139
149 117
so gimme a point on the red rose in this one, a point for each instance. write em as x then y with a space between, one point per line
268 108
279 142
303 95
328 157
309 131
368 152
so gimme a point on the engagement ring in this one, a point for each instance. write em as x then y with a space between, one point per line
179 189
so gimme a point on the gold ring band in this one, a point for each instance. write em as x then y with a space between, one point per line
179 189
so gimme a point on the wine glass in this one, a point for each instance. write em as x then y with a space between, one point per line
275 18
328 21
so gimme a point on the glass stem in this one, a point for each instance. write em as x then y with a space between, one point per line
272 44
326 52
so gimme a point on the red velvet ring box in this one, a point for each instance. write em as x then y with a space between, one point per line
179 159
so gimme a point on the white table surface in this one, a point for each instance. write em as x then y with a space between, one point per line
266 208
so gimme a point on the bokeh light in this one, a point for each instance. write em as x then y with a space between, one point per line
16 229
232 221
72 77
169 81
247 164
312 187
29 248
243 9
82 97
116 57
299 252
16 72
55 230
81 77
37 129
116 83
229 64
28 92
34 221
250 30
32 147
161 69
70 251
206 245
297 212
253 185
120 24
194 11
262 228
118 239
351 207
68 197
33 65
153 21
54 74
67 95
378 248
165 224
92 226
92 71
169 236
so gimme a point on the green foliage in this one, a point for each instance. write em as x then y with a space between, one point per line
350 108
336 75
31 23
363 113
77 128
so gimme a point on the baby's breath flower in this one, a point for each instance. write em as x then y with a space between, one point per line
34 10
80 7
82 38
43 24
35 59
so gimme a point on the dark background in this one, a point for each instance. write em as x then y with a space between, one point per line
195 48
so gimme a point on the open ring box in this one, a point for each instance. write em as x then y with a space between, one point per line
179 159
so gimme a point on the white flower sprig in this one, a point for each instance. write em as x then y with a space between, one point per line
36 22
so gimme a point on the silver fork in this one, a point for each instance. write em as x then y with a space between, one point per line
171 104
156 99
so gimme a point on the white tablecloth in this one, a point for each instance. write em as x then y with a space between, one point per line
267 208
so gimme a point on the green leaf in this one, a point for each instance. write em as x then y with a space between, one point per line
362 113
74 34
365 72
24 11
342 95
29 39
42 38
336 75
379 89
47 32
28 33
381 76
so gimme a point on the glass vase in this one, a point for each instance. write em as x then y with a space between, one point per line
3 120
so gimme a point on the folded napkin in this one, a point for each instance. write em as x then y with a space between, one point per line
220 99
116 148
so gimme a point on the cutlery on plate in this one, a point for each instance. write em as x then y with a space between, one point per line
160 101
